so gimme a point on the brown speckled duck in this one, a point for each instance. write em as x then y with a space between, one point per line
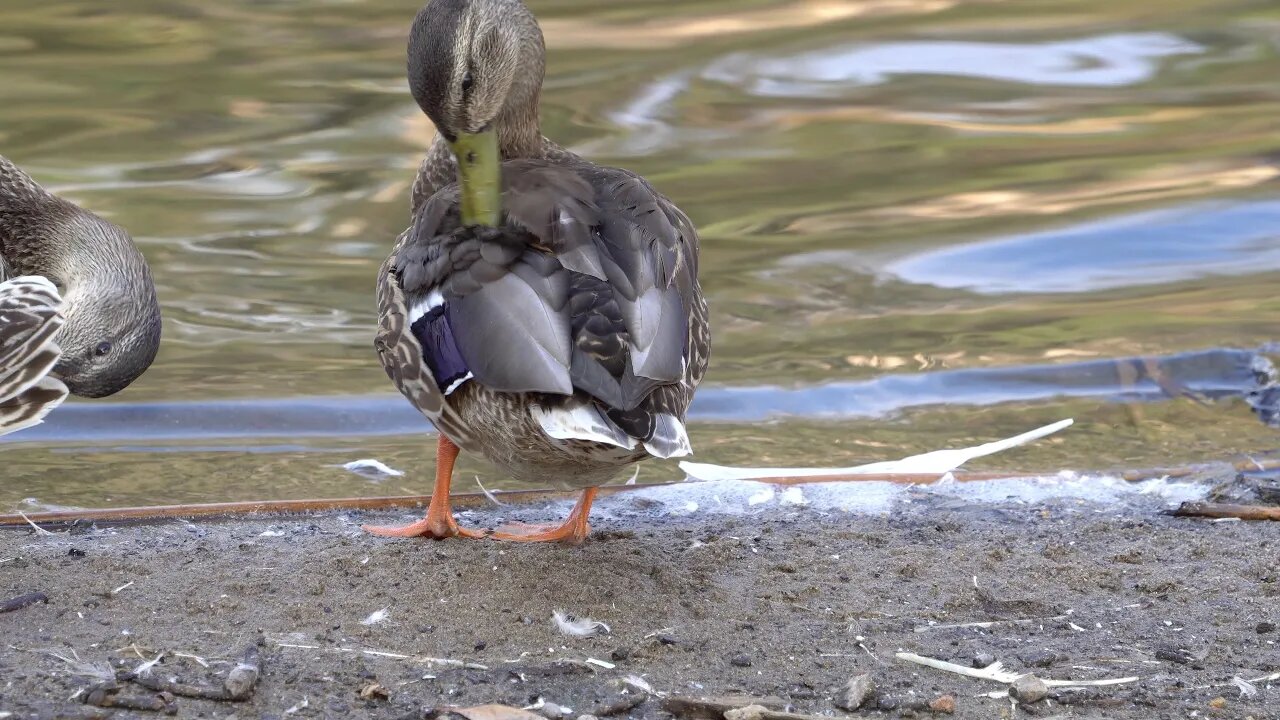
565 343
78 307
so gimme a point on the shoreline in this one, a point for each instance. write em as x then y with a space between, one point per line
783 603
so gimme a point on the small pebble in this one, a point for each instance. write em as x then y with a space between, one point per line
983 659
1265 627
1038 658
1028 689
856 693
945 705
1218 703
552 711
741 660
887 703
620 654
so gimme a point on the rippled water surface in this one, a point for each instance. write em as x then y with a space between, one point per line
924 223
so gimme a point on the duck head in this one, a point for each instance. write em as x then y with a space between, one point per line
476 69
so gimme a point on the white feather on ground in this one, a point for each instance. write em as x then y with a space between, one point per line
370 467
938 461
578 627
377 616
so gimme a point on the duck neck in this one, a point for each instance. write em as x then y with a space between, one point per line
519 134
28 216
518 126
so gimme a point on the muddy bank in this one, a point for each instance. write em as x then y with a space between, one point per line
781 602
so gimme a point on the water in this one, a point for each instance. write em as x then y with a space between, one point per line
924 224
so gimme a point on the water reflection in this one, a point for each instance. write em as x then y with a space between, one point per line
921 220
1101 61
1148 248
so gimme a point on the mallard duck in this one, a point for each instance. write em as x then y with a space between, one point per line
78 308
563 338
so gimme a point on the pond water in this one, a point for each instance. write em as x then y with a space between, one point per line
925 224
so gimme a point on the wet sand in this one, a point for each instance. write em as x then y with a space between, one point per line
784 604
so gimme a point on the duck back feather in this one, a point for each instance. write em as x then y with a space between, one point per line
586 297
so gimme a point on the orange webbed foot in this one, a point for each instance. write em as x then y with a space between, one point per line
439 522
570 532
574 530
429 527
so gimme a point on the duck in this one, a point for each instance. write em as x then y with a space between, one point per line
78 307
542 311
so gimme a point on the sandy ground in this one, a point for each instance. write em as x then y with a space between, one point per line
784 604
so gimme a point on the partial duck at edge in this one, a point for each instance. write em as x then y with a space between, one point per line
78 308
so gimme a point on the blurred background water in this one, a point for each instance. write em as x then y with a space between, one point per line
924 223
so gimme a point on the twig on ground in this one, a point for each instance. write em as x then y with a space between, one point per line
1227 510
987 623
492 498
107 695
420 659
199 660
23 601
123 587
623 704
39 530
995 671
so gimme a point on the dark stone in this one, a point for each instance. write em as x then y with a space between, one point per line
1038 658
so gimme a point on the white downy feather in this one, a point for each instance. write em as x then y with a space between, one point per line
578 627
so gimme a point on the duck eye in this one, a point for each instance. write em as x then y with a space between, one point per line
103 348
467 82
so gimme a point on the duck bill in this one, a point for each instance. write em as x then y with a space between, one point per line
478 175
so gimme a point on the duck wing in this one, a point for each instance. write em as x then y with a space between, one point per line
29 321
586 292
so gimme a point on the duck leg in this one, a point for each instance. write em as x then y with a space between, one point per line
573 531
439 522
